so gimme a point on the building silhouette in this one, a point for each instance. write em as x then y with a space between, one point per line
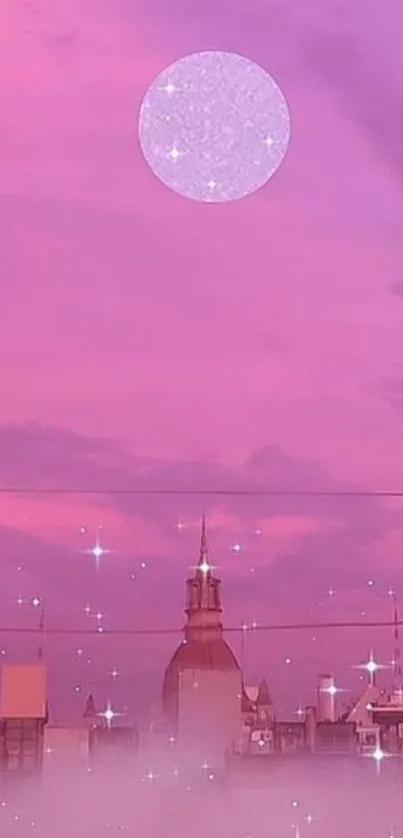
205 707
202 687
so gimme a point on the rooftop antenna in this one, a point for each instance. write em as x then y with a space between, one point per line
41 632
244 629
397 666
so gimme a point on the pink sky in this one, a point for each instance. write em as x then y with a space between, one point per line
165 343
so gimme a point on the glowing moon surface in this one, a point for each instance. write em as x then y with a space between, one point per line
214 126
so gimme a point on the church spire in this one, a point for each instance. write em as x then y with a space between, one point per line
203 565
89 710
203 606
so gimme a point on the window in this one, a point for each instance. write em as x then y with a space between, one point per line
29 763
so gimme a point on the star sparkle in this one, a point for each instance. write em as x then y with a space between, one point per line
204 567
97 551
175 153
371 666
170 88
332 689
109 714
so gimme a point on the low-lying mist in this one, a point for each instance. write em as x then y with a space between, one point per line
260 798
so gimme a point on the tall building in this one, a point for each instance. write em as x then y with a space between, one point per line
23 714
202 688
326 701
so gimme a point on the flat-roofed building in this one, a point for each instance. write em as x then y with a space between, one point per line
65 744
23 714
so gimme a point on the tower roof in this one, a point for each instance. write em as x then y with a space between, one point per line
263 696
23 693
209 655
89 710
359 712
204 654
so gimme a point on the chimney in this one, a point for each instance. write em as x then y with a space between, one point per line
326 704
310 728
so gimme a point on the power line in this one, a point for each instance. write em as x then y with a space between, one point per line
230 629
274 493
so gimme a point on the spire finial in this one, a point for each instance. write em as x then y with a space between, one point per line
203 537
203 563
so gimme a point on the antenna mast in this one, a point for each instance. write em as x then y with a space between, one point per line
397 666
41 632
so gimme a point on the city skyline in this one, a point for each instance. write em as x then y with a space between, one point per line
87 639
154 343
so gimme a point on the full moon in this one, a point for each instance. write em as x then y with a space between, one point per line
214 127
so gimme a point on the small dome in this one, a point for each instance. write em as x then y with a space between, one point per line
204 654
213 654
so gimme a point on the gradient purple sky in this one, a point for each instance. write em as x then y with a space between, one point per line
150 341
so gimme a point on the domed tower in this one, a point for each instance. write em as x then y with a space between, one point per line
202 688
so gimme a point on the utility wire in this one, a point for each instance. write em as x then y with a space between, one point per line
270 493
230 629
